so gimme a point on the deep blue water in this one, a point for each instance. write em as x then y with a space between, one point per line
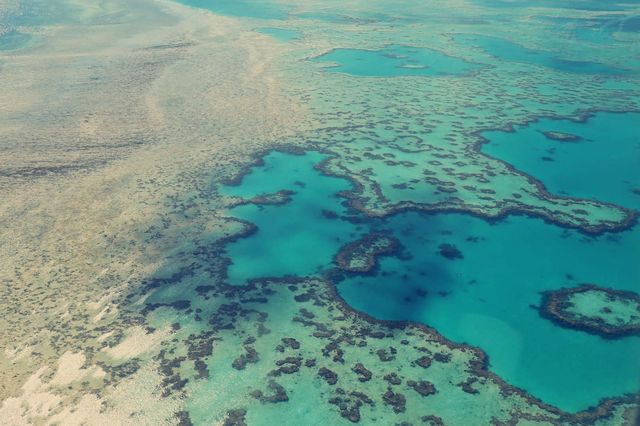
597 29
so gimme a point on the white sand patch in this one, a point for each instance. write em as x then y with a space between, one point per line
38 398
104 300
136 343
105 336
109 309
16 353
35 401
12 411
69 369
135 401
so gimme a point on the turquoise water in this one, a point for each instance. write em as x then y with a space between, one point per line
487 297
13 40
594 5
294 238
483 299
509 51
394 61
38 12
583 168
281 34
242 8
343 15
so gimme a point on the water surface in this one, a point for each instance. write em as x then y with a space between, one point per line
14 40
395 61
486 297
281 34
242 8
602 161
510 51
296 238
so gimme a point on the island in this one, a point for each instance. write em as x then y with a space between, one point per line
597 310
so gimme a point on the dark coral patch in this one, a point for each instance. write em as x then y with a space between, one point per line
423 387
278 393
329 376
364 375
362 255
394 399
236 417
561 136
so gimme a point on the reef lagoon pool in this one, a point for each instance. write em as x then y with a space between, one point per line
475 281
394 61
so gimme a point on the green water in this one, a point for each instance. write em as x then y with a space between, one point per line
394 61
604 164
611 310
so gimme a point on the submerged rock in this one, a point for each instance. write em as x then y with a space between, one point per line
395 399
423 387
450 251
328 375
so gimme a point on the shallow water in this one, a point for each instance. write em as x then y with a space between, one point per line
396 95
509 51
394 61
13 40
486 298
242 8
